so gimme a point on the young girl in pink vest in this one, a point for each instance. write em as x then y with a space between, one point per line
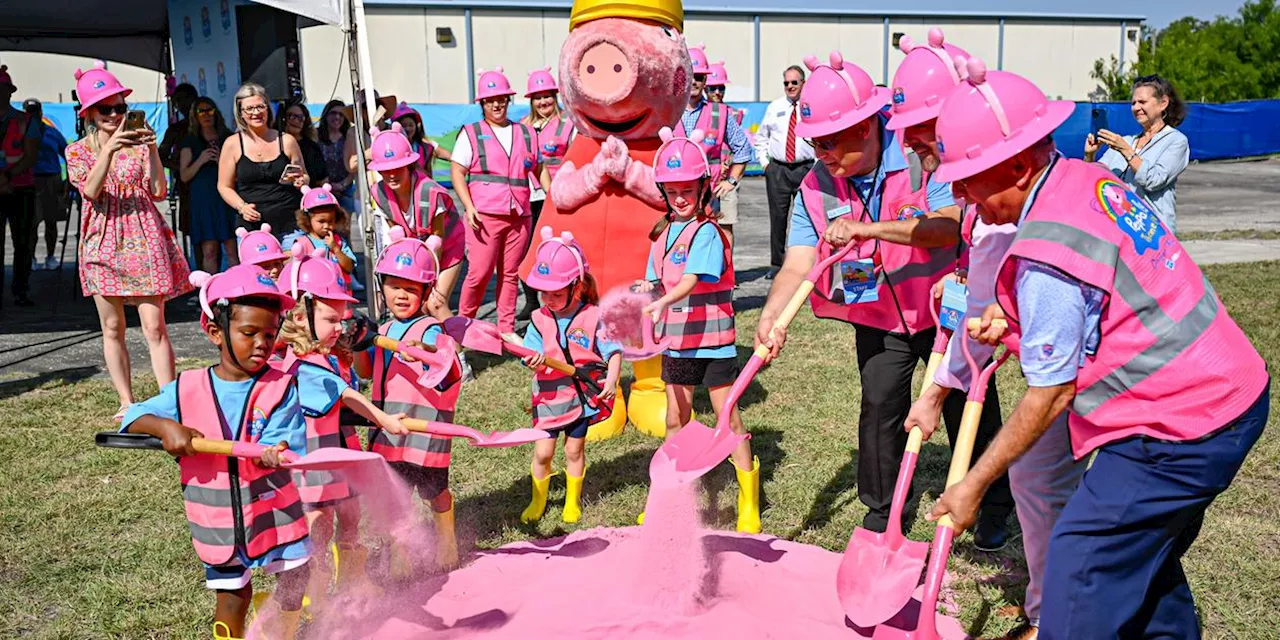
407 270
691 269
243 399
262 249
492 162
312 330
320 220
410 122
567 328
410 199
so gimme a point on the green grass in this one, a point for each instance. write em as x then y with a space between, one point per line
1231 234
93 543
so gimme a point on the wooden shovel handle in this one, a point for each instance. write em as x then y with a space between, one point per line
391 344
524 352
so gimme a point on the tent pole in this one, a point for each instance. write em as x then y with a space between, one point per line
361 70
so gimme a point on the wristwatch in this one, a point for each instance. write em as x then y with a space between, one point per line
731 180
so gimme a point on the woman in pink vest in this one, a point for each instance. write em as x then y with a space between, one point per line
428 152
493 161
567 328
242 399
311 329
411 199
1169 408
406 272
554 131
691 270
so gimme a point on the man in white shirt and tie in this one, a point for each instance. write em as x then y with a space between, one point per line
786 160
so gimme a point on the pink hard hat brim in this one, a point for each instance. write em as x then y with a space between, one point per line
547 282
678 176
1058 112
394 163
553 89
342 297
120 91
494 94
901 120
878 100
259 258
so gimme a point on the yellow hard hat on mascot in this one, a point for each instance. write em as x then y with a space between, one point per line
668 12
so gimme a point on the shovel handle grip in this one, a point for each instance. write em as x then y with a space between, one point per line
522 351
391 344
997 323
962 451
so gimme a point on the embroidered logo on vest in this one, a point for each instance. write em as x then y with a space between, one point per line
709 141
680 254
1131 214
909 211
259 422
550 147
579 337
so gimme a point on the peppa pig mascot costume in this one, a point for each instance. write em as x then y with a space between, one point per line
624 74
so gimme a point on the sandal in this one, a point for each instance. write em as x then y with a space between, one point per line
119 417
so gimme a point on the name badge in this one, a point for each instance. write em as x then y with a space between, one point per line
858 281
955 298
832 214
483 137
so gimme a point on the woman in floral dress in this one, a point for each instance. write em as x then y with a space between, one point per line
127 253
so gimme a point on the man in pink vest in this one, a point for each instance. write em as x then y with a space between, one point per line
1171 406
19 149
724 141
863 176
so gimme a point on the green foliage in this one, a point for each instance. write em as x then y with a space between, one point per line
1225 59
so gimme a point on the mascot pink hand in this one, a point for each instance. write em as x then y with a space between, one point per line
614 159
639 182
574 187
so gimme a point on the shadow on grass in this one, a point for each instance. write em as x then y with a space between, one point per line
64 377
829 502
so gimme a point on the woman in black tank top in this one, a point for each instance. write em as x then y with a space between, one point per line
248 180
258 183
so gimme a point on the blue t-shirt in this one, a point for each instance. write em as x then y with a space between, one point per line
286 424
803 234
319 389
53 147
607 348
287 242
705 259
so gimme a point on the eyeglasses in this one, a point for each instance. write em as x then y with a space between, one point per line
254 108
295 117
826 143
206 111
109 109
792 83
717 89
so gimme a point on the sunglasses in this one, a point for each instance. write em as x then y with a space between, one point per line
205 111
109 109
826 144
294 117
719 89
792 83
699 77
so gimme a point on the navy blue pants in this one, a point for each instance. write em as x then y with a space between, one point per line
1115 558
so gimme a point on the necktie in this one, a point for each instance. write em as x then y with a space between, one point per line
791 136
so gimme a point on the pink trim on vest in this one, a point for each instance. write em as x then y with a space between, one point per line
499 183
396 390
705 318
557 398
318 487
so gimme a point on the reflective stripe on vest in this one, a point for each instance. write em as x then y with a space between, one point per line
327 431
558 399
554 144
714 124
500 189
396 390
904 274
424 219
704 319
1175 366
231 503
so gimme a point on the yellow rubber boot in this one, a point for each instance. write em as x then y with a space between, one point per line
612 426
647 406
573 497
222 632
446 541
538 503
351 575
749 497
281 625
640 518
322 573
399 561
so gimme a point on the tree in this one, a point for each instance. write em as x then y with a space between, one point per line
1114 84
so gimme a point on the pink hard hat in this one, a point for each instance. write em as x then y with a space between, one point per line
541 80
6 79
240 281
410 258
97 84
718 75
257 247
558 263
493 84
991 117
314 274
836 97
403 109
680 158
321 196
929 72
390 149
698 54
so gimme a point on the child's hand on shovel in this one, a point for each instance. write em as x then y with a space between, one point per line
177 440
391 423
535 361
404 357
272 456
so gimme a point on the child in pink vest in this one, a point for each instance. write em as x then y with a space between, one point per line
262 249
320 220
691 267
242 399
566 327
407 271
312 330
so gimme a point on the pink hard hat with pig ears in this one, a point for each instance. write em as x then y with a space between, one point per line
698 55
837 96
990 117
410 258
924 79
541 80
493 84
680 158
313 273
558 262
257 247
97 84
390 149
718 75
240 281
314 198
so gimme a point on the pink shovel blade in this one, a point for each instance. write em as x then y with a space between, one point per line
437 365
875 581
501 439
691 453
650 346
331 458
474 334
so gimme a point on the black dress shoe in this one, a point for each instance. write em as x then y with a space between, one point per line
991 535
1024 631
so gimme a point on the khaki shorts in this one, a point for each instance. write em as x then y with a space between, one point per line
51 203
727 207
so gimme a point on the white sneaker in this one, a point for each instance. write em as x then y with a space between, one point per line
36 265
52 264
467 374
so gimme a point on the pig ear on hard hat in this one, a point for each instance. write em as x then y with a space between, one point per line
664 134
546 233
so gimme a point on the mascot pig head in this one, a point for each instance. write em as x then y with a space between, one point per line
625 69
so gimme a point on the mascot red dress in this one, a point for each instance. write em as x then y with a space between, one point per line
624 74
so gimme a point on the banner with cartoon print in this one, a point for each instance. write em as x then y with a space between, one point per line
206 49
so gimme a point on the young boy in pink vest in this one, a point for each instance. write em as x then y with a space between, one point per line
1171 406
243 399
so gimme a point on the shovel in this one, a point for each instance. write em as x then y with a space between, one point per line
650 347
485 337
438 360
327 459
496 440
696 448
879 571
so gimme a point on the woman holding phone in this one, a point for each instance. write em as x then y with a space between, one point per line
260 171
212 221
127 254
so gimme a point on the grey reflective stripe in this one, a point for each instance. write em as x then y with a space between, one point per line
328 440
420 411
552 161
414 440
559 127
220 498
213 536
528 138
695 327
546 410
1172 336
380 198
916 170
715 128
939 259
488 177
709 299
317 478
273 518
479 145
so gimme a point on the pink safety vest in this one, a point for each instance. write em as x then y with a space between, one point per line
713 120
11 145
1172 365
557 398
553 142
396 390
705 318
904 274
423 220
424 151
318 487
499 183
231 502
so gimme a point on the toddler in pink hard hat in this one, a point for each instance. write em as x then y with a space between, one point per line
321 223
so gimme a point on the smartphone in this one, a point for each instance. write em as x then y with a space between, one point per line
135 120
290 171
1097 120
